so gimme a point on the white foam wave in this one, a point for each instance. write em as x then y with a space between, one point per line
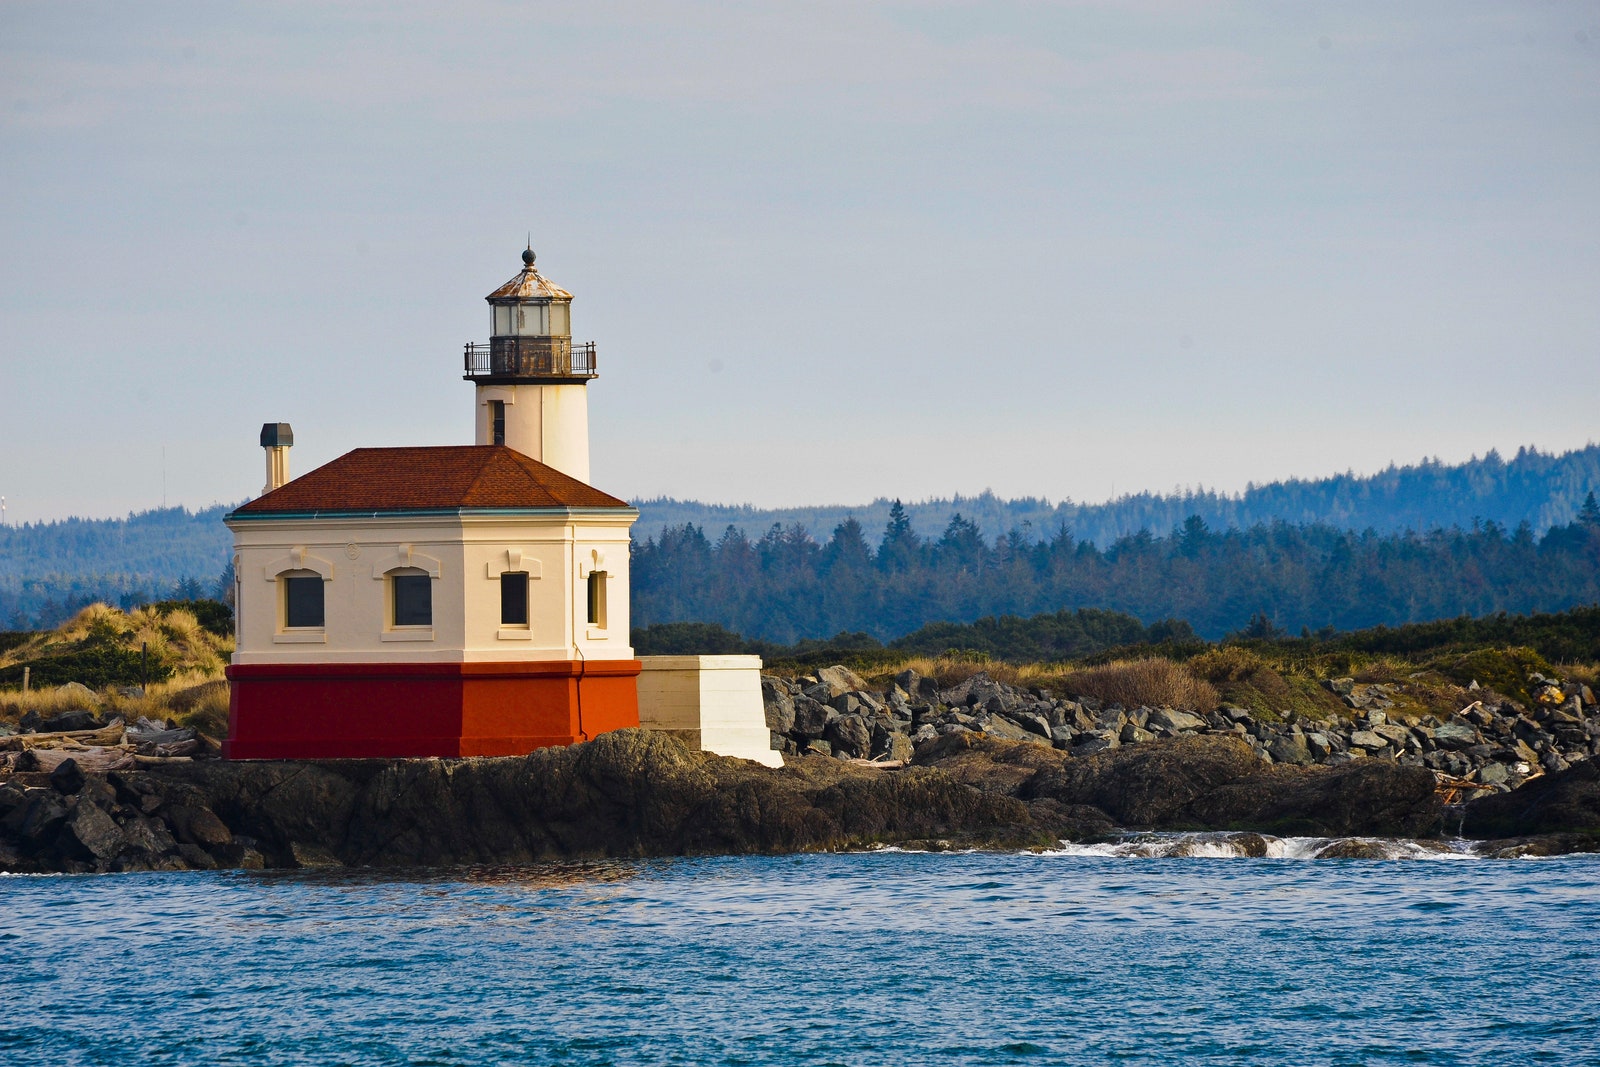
1265 846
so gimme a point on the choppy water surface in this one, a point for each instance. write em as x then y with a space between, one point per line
884 958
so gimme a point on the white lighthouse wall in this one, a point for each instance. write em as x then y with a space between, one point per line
564 427
549 423
465 556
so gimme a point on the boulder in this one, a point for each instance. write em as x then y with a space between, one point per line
198 825
38 822
1132 734
66 779
1096 742
148 835
78 695
70 721
896 746
1455 735
810 717
1031 722
1174 721
849 735
779 705
821 692
90 834
1493 773
840 680
1562 802
1368 741
1397 735
1002 727
1290 748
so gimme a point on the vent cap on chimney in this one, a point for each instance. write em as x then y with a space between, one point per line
276 435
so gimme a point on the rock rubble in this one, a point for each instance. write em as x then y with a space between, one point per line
1492 743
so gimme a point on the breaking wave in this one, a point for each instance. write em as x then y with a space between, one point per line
1222 845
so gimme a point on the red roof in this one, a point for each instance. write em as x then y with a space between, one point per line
442 478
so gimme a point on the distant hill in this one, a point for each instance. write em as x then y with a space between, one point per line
49 570
1539 488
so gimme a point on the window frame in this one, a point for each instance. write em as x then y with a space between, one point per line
497 422
287 581
507 582
393 586
595 613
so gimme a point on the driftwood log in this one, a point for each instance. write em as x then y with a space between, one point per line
110 734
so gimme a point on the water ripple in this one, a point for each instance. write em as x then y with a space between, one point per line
1076 957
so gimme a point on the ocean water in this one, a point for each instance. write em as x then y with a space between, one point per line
1085 956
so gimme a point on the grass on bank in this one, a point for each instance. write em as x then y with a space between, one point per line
109 651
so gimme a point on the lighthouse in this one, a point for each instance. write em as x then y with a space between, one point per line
463 600
530 381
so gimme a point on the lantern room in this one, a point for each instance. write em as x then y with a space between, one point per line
530 379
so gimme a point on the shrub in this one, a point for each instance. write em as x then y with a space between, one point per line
1153 682
1505 670
1229 663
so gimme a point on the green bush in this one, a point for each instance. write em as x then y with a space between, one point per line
95 666
1505 670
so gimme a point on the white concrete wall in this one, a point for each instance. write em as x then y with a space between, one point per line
465 556
549 423
712 702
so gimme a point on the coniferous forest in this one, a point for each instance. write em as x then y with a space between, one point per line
786 585
1506 535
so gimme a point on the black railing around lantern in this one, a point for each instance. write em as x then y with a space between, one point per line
530 357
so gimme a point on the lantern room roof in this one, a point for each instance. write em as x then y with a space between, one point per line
439 478
529 284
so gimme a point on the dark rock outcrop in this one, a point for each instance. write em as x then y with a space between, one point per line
1565 802
1204 783
633 794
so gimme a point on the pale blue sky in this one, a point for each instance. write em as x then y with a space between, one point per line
828 251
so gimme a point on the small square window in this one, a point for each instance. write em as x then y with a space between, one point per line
514 599
302 601
413 600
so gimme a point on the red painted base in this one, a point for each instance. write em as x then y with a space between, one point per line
387 710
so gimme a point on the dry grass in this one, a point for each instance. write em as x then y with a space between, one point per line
949 671
1155 682
175 637
194 698
196 694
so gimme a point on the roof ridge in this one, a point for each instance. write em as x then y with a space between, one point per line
411 476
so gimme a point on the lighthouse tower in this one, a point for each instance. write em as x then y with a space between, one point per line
531 381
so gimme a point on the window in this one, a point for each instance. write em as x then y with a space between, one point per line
597 598
514 599
497 422
302 601
413 599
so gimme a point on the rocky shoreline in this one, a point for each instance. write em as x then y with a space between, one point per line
632 793
1491 744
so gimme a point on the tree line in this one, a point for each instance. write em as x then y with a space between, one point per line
786 586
